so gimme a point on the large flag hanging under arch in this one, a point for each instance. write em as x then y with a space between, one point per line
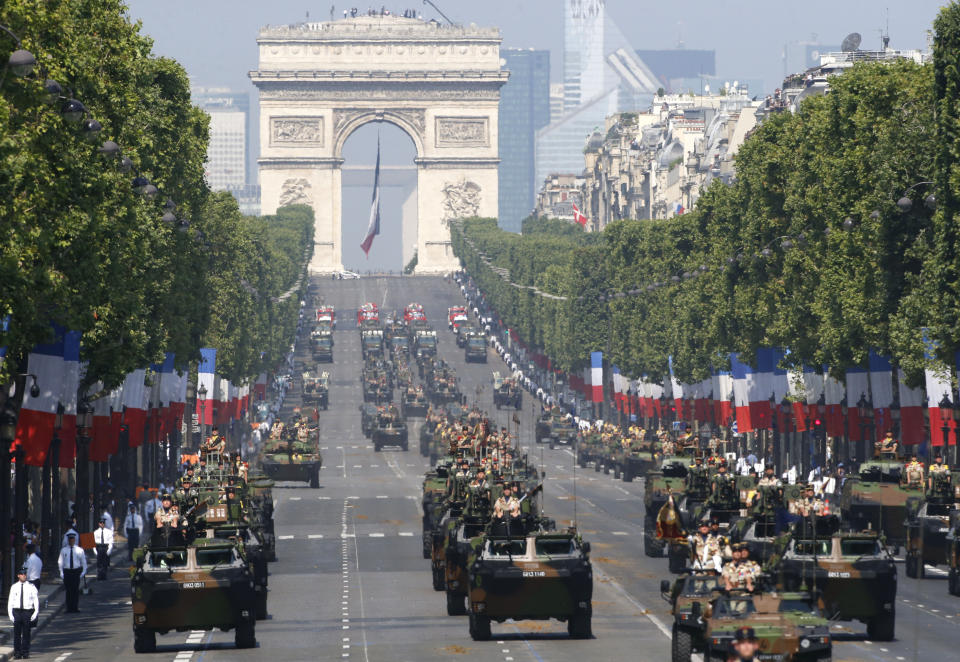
373 227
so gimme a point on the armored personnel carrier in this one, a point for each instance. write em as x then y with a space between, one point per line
206 584
294 456
321 346
633 458
556 429
877 499
506 393
475 348
414 403
371 343
539 576
316 390
391 430
928 523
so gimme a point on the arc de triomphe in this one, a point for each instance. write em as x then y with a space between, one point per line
441 84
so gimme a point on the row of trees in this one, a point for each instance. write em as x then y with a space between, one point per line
839 235
78 245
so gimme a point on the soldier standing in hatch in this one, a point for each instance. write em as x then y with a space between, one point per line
938 472
913 472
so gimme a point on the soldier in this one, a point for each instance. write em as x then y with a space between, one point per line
913 472
749 569
809 503
722 541
167 514
668 447
215 444
769 479
722 489
730 574
746 646
888 445
706 548
939 473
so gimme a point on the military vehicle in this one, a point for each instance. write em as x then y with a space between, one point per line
852 573
425 343
953 557
204 584
377 391
632 458
371 343
788 626
462 332
658 487
368 418
260 515
928 523
400 348
540 576
475 348
391 430
431 502
414 403
294 456
877 499
590 448
688 629
766 519
506 393
554 428
321 346
316 390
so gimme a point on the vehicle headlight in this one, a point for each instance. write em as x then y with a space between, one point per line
804 643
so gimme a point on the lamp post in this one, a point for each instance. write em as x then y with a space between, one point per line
202 393
8 433
84 425
946 415
864 410
792 454
51 467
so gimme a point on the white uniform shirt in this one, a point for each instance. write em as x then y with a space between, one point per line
79 559
104 536
34 567
133 521
31 599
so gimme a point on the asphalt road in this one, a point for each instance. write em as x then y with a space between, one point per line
350 582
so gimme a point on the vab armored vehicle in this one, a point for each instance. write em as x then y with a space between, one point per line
556 429
540 576
321 346
475 348
295 456
371 343
368 418
425 343
316 390
928 523
851 572
204 585
414 403
506 393
632 458
953 557
391 430
788 627
877 499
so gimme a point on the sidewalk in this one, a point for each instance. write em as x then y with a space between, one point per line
53 599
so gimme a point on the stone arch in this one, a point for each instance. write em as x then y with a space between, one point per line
347 120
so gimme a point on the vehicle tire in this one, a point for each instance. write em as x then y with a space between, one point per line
376 447
606 468
677 563
952 584
426 547
424 451
681 645
262 605
616 472
582 461
245 635
881 628
652 546
479 628
910 565
144 641
596 465
552 447
315 479
439 579
405 446
456 604
579 626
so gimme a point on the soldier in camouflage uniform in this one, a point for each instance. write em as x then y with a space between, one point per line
939 474
913 472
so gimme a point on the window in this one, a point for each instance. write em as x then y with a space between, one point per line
215 556
812 548
170 559
734 608
506 548
798 606
866 547
555 547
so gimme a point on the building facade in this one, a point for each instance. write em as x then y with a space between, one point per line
524 110
229 148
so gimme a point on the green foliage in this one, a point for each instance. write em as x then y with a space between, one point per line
721 278
411 265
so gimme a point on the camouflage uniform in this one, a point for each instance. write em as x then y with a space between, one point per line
914 473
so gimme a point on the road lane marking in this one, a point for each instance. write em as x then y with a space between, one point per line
406 534
620 533
315 536
382 496
376 535
284 537
295 498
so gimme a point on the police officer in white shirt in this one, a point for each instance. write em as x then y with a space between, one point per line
103 539
73 566
107 519
23 607
133 526
34 565
69 529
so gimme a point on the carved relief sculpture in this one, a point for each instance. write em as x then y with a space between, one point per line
462 132
460 200
296 131
295 192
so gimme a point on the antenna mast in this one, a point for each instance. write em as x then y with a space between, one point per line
447 18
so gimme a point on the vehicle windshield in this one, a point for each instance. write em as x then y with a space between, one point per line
674 470
855 547
812 547
169 559
798 605
221 555
734 607
476 342
555 546
506 548
701 585
428 341
322 342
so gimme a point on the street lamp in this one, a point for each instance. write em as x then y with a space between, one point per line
946 415
84 428
48 500
864 412
202 393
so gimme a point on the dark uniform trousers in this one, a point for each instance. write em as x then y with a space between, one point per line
103 561
21 631
71 584
133 541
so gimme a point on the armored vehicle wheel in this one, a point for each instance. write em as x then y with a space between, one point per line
582 462
652 547
518 405
579 626
596 465
616 472
880 628
953 586
244 636
677 563
433 459
456 604
479 628
424 451
315 479
627 476
144 641
913 566
376 447
439 580
551 445
405 446
681 645
606 468
262 605
426 549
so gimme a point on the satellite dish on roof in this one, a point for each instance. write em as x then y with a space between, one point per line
851 42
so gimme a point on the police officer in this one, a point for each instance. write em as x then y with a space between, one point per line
73 566
103 539
23 607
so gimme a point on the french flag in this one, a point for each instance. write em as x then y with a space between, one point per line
373 226
676 391
596 376
169 393
701 404
911 412
766 381
654 394
134 407
260 387
617 402
154 416
939 389
798 399
858 386
741 393
116 418
722 384
833 395
813 384
38 414
205 371
70 386
881 387
100 446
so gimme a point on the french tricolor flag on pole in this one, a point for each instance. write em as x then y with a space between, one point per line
939 389
134 408
373 227
911 412
38 414
70 386
596 376
833 394
100 446
881 387
676 390
722 384
741 393
205 371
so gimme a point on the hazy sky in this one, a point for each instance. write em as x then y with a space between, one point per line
216 41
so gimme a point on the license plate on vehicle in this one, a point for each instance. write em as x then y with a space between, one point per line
193 584
534 573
